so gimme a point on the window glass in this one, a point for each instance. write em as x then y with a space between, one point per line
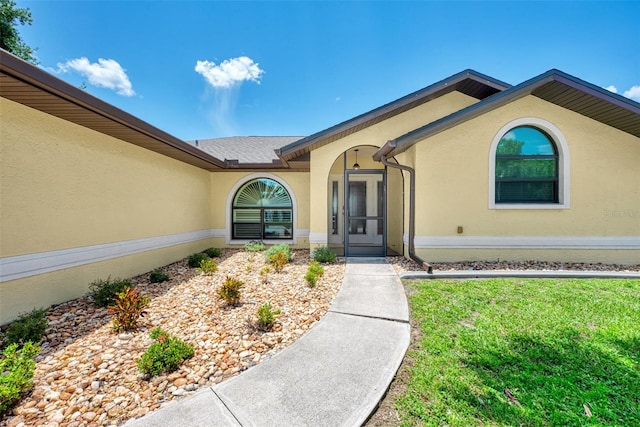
526 167
262 209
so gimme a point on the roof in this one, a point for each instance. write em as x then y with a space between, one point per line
553 86
31 86
247 150
469 82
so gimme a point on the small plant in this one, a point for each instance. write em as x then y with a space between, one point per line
16 372
264 273
324 254
208 266
278 260
194 260
164 355
128 307
254 246
230 290
28 327
278 248
212 252
157 276
104 291
266 316
314 272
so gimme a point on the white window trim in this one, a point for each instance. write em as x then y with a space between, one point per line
229 204
563 165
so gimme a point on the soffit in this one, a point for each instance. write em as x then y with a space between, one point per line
553 86
28 85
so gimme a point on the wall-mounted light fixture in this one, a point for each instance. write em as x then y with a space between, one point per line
356 166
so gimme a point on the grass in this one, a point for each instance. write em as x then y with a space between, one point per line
568 352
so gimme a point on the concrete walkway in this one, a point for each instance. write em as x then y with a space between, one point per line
335 375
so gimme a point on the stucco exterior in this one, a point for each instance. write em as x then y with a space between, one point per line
98 193
64 187
604 186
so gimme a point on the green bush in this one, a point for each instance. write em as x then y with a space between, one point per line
16 372
128 306
254 246
164 355
208 266
195 259
314 272
278 260
104 291
230 290
324 254
278 248
28 327
266 316
158 276
212 252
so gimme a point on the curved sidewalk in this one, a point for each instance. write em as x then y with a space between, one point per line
335 375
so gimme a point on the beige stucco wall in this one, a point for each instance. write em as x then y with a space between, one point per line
323 158
63 186
452 179
225 184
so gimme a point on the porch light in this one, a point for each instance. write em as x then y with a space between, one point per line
356 166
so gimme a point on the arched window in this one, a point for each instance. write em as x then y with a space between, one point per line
526 167
262 209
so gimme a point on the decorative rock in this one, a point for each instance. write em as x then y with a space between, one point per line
178 392
180 382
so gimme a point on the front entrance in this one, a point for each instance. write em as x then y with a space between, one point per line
364 213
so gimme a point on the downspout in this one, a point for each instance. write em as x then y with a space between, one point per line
412 205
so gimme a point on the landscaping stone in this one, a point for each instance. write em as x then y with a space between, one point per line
87 375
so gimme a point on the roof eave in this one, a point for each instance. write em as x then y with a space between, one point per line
404 142
41 80
444 86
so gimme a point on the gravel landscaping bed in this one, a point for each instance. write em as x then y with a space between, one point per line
86 374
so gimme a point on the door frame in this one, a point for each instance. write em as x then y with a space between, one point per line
375 250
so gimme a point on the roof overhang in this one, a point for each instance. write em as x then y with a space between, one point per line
468 82
31 86
553 86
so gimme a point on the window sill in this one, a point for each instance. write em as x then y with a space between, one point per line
528 206
266 242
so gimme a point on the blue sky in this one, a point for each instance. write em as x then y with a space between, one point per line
295 68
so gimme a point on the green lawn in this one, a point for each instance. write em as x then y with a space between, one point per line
567 350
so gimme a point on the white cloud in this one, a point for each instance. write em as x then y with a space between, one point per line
230 71
105 73
633 93
612 88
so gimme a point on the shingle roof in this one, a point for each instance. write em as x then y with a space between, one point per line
246 149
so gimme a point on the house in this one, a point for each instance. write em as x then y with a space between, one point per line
469 168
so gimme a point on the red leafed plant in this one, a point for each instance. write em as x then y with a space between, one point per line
128 306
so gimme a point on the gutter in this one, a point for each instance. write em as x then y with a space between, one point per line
412 204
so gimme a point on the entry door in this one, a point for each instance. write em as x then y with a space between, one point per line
365 207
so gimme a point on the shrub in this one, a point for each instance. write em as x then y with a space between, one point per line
195 259
164 355
266 316
324 254
158 276
278 248
16 372
314 272
104 291
230 290
208 266
212 252
128 306
254 246
264 273
28 327
278 260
